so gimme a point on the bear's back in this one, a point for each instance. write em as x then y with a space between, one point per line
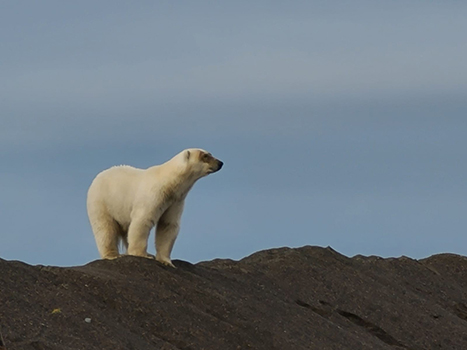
116 182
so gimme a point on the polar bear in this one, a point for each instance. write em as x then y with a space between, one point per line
124 203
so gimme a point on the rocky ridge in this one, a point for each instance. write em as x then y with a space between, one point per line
303 298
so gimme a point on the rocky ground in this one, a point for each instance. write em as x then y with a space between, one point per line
305 298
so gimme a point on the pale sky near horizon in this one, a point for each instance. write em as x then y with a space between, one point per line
340 123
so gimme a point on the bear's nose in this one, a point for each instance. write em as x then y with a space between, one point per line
220 164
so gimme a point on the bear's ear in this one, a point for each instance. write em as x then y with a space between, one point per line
187 155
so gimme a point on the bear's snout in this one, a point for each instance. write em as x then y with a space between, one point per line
219 165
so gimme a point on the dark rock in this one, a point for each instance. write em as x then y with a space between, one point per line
305 298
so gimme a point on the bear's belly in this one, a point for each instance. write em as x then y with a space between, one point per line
120 213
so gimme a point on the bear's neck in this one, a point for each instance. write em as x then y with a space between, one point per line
180 183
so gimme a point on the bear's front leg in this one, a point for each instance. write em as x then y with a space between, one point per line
167 231
138 234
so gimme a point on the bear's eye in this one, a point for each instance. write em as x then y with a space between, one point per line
205 156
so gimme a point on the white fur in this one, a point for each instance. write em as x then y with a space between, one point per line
124 203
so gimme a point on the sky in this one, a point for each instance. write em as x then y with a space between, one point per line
340 123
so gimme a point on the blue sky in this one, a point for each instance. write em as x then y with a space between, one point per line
340 123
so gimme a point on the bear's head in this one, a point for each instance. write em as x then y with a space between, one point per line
200 162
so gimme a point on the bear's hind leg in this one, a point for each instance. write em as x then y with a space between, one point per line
107 233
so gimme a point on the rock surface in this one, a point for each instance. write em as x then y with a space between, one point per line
305 298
